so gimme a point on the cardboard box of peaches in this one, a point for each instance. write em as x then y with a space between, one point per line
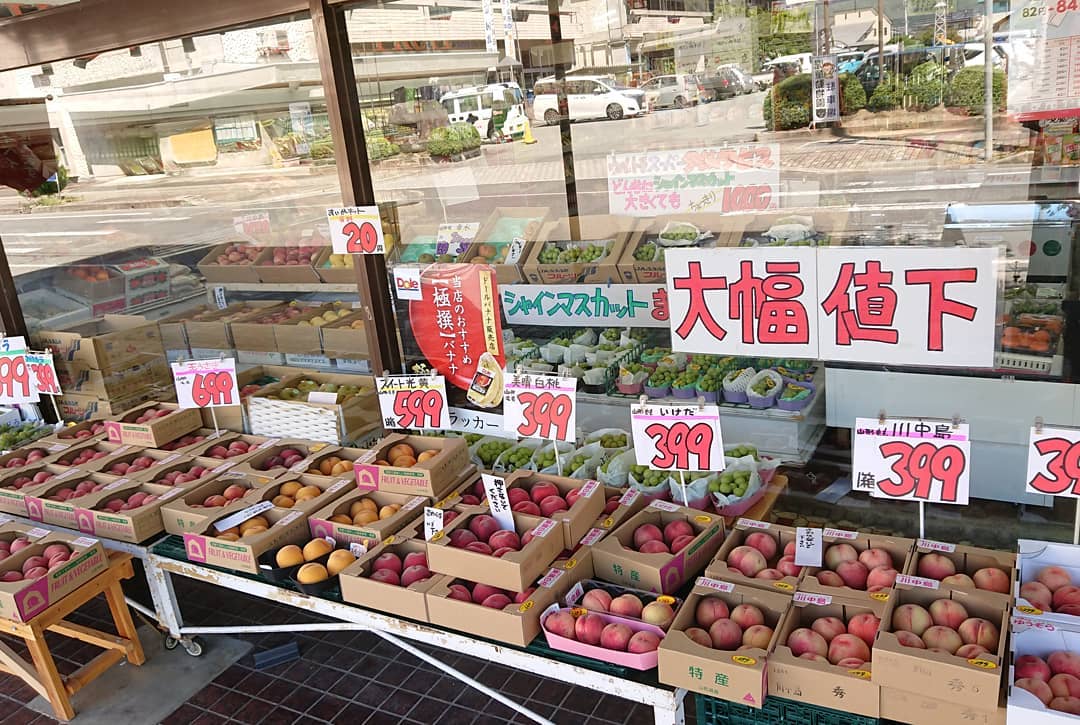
38 568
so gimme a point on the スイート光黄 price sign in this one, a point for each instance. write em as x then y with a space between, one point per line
541 406
678 437
413 401
912 459
206 383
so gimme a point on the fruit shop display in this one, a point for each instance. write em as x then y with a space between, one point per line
293 255
93 429
658 610
239 254
324 318
152 414
302 388
292 493
731 483
389 568
25 457
596 630
486 595
675 536
285 458
941 568
944 626
483 536
81 456
1055 680
52 558
721 627
871 570
138 463
314 563
233 492
20 482
232 450
402 455
760 557
178 477
331 466
1053 590
250 527
15 436
572 252
847 644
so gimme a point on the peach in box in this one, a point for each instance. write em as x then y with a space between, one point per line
972 680
608 643
402 599
584 501
532 547
966 567
153 424
434 476
27 596
56 503
129 513
18 484
1047 581
618 560
208 547
619 505
735 672
281 457
858 565
815 681
755 553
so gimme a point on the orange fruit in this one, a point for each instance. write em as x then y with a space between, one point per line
401 449
341 519
364 504
403 462
289 489
284 502
365 517
425 455
389 510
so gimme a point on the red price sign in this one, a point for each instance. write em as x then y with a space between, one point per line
413 401
1053 467
356 230
43 372
16 385
912 460
541 406
206 383
673 438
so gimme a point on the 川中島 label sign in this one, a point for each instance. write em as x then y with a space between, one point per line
912 459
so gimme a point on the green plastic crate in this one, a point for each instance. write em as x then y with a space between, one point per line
711 711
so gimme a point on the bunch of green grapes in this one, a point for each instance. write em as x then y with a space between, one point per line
701 360
689 476
685 379
711 380
661 378
639 333
564 341
612 333
648 477
743 450
607 346
764 386
731 482
517 458
633 368
576 462
549 254
613 440
490 450
545 459
645 253
471 438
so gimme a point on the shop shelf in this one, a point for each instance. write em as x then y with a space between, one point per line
711 711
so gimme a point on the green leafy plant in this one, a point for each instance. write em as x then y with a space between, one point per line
966 90
853 94
886 96
444 142
925 86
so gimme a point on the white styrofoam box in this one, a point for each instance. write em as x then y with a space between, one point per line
1034 636
1032 557
260 358
290 419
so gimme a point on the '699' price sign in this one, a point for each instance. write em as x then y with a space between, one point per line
413 401
1053 466
912 459
678 438
206 383
541 406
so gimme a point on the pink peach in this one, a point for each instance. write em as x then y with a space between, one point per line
483 526
460 592
653 546
751 563
415 573
1070 705
1038 688
936 566
1053 577
1037 594
880 577
851 663
1032 666
865 627
977 630
460 538
1068 594
943 638
854 574
844 646
699 635
588 627
626 605
959 580
909 639
970 651
681 543
479 547
829 627
757 635
642 642
647 532
597 600
773 574
677 528
615 636
992 579
763 542
725 634
481 592
389 560
747 615
814 657
828 578
805 640
788 567
1067 662
1063 685
873 558
710 609
947 613
561 624
838 553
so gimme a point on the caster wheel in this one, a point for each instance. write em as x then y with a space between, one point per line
193 648
170 643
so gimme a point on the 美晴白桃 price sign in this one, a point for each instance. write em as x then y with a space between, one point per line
43 372
16 382
678 437
912 459
356 230
206 383
1053 464
413 401
541 406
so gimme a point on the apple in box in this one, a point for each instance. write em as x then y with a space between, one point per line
20 482
389 568
22 458
483 536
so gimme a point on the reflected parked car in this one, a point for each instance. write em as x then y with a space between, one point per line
742 78
587 97
678 91
722 84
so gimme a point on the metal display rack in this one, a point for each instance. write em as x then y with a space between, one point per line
667 703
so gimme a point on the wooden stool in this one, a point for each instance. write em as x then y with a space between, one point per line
47 681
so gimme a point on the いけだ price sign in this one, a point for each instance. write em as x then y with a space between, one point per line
413 401
678 438
356 230
206 383
16 383
912 459
1053 465
541 406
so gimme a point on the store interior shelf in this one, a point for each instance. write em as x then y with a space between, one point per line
290 287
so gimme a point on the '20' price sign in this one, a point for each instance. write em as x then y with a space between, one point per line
541 406
356 230
43 373
16 382
1053 465
678 438
413 401
206 383
912 460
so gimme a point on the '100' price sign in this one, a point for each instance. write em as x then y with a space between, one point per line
1053 466
541 406
206 383
413 401
912 459
678 438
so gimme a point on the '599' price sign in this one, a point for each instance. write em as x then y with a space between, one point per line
413 401
677 438
541 406
911 459
1053 465
206 383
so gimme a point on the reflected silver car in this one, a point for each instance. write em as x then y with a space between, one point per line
666 91
743 81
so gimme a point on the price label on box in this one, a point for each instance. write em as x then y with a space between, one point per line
541 406
912 459
356 230
43 373
413 401
16 385
678 437
206 383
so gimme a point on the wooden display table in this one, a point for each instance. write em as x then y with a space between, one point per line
46 680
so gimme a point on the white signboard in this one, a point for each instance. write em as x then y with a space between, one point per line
677 438
912 459
356 230
413 402
206 383
1044 54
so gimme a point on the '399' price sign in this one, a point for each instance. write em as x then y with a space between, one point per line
678 438
541 406
413 401
912 459
206 383
1053 465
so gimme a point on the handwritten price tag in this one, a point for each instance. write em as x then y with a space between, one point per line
541 406
43 373
15 383
206 383
808 546
498 502
455 238
912 460
433 522
682 438
1053 465
356 230
413 401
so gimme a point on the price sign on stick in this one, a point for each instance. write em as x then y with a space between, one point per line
206 383
912 459
43 373
1053 465
356 230
16 385
541 406
413 401
678 437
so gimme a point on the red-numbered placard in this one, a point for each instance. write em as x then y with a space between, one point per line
541 406
912 459
678 438
1053 464
43 373
16 381
206 383
413 401
356 230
